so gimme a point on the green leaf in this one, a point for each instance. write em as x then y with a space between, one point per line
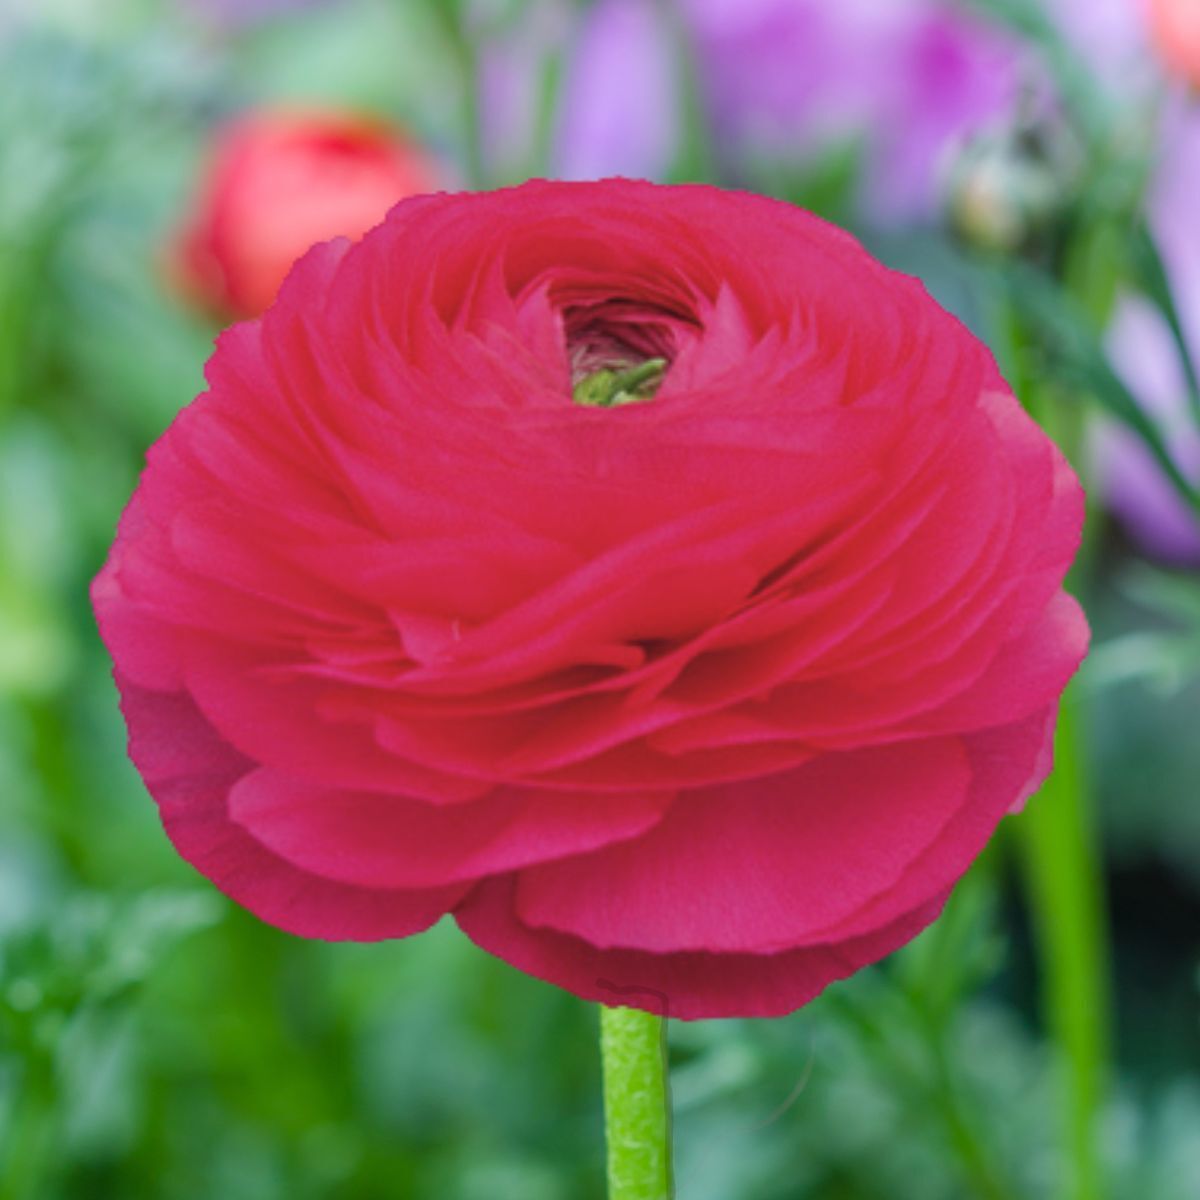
1151 274
1078 355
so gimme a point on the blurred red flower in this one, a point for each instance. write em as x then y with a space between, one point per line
1176 26
713 690
276 182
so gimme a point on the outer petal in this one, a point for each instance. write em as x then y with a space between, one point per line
190 771
143 646
1006 765
688 986
382 841
761 865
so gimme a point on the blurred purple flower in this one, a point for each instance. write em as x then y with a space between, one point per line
909 81
956 76
1145 355
513 65
781 79
619 110
618 106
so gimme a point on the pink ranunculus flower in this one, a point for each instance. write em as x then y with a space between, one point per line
710 686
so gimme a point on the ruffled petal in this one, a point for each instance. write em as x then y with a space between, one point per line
388 841
191 772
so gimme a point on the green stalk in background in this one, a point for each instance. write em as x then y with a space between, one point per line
27 1149
451 16
637 1107
1060 860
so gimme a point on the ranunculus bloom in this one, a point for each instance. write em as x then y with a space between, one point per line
1176 27
279 180
713 693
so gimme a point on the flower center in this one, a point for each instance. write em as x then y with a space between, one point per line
619 384
619 350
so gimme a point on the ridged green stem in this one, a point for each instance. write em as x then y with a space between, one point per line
637 1109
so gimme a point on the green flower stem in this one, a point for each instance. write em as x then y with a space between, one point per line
1065 892
1062 866
1061 861
472 105
637 1112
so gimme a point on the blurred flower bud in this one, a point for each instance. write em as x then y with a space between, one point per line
1008 186
1176 27
276 182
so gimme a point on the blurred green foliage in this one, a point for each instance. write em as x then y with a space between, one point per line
157 1042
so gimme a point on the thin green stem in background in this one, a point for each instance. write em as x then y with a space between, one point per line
1060 857
637 1110
452 17
28 1146
695 159
463 44
472 109
936 974
1066 897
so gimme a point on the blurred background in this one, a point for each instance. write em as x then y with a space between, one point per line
1036 162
